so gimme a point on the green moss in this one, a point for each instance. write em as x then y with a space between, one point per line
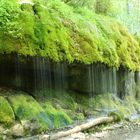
45 114
114 105
78 116
62 33
67 105
59 117
6 113
78 107
117 115
103 6
132 103
27 108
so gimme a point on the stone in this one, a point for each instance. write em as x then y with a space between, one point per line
26 124
1 130
44 137
4 138
34 128
17 130
7 132
79 135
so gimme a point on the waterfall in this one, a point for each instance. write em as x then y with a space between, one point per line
125 82
42 77
49 77
103 79
18 72
137 80
59 77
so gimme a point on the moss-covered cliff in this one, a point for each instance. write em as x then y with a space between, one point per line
57 31
17 107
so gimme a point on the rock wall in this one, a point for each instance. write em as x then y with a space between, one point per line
42 77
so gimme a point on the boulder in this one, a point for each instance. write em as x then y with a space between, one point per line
6 112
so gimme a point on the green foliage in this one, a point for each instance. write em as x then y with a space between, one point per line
10 29
9 12
105 7
81 3
60 32
6 113
127 12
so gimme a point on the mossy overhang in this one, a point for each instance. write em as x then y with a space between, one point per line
62 33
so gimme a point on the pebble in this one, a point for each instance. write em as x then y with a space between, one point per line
17 130
44 137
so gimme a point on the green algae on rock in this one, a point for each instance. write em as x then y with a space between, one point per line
27 108
7 116
59 117
110 104
63 33
17 107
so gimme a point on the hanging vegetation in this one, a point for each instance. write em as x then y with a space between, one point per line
60 32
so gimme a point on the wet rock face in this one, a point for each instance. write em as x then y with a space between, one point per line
93 79
78 76
15 73
98 79
40 77
32 74
126 83
137 81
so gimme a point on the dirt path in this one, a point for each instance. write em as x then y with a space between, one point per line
123 134
130 132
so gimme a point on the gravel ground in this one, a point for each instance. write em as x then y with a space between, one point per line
126 132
